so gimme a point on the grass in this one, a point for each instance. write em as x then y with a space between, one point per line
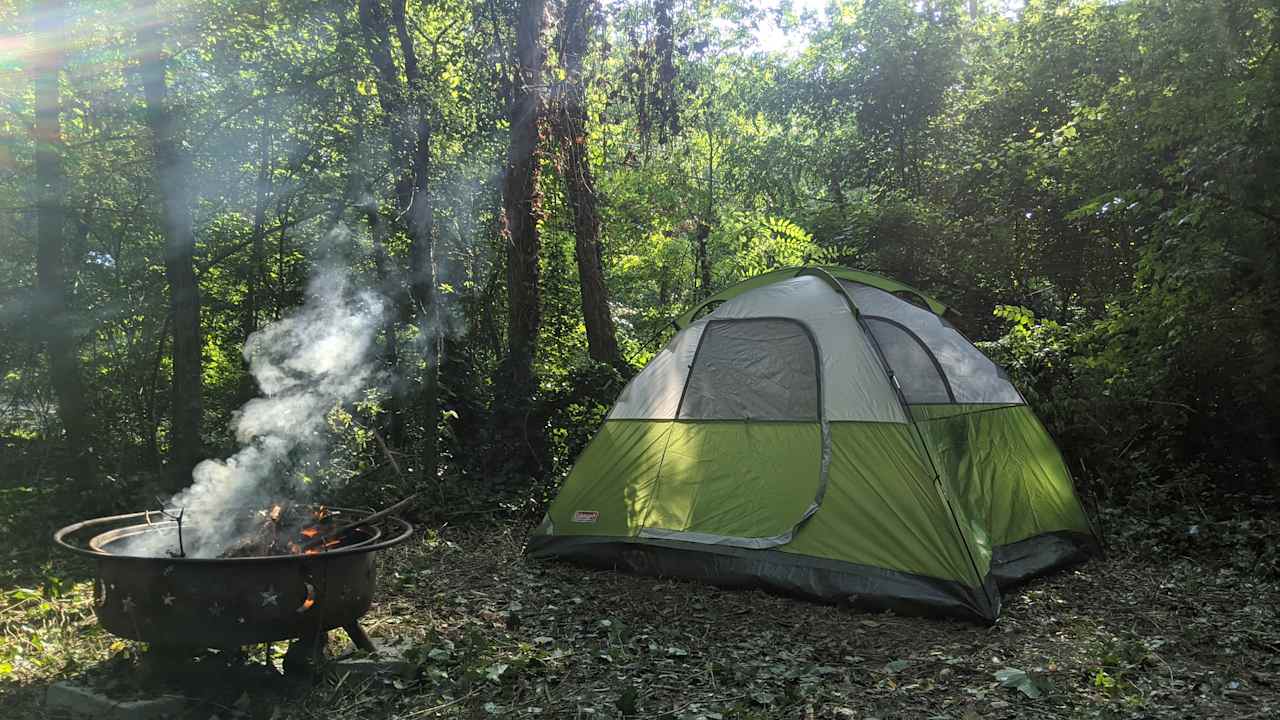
1173 624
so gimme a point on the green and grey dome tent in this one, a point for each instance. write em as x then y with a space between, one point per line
811 432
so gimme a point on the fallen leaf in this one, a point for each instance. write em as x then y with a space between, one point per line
494 671
1018 680
896 666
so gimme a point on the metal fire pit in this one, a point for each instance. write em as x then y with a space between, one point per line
181 603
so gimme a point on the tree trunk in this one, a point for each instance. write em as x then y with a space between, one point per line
257 250
580 187
418 211
406 110
391 346
702 260
173 171
522 207
59 340
665 94
413 188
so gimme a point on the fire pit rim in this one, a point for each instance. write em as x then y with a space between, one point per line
96 541
63 538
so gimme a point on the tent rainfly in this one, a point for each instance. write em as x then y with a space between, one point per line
824 433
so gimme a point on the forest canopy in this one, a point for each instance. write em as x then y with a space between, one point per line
534 189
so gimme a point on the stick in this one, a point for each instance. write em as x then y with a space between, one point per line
323 537
438 708
386 451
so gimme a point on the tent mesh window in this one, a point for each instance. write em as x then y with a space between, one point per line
914 366
753 369
972 376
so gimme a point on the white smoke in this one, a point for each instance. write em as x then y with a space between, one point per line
305 364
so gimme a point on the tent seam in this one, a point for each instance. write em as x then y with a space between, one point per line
937 477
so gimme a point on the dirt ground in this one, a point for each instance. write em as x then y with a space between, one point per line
1166 629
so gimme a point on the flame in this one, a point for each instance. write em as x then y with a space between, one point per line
331 543
310 532
310 599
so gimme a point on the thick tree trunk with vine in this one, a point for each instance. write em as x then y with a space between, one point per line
173 176
580 186
522 209
51 220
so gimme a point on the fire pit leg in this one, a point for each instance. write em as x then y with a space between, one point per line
358 636
163 664
305 654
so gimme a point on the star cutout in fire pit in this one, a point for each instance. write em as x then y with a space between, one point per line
168 600
215 609
270 597
128 604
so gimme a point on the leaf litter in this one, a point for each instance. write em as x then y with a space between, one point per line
1140 634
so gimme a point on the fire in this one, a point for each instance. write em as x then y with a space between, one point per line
310 599
313 541
316 549
292 529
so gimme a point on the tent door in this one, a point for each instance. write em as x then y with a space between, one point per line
744 464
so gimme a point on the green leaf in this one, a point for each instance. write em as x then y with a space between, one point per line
25 594
495 671
1018 680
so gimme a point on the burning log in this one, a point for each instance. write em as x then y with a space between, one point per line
293 531
323 539
281 532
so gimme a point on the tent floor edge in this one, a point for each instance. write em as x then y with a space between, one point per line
862 587
1019 562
